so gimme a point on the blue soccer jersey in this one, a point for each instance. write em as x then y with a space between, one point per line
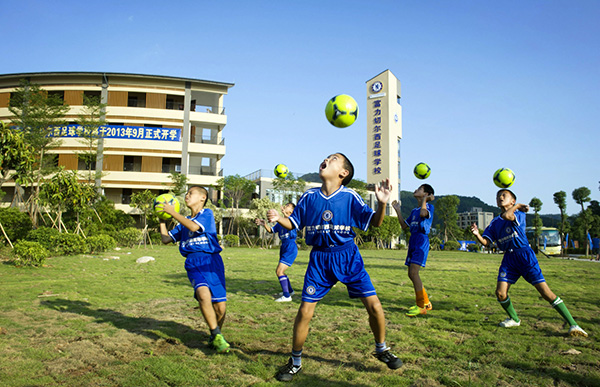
204 240
289 249
328 220
418 244
507 235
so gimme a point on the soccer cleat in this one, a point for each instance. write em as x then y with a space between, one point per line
287 372
291 294
575 330
509 323
414 311
388 358
219 344
284 299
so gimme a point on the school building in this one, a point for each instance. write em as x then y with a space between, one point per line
481 218
156 125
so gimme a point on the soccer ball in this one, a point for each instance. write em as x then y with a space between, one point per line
165 198
281 170
504 178
341 111
422 171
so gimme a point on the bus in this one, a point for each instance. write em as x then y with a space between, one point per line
549 242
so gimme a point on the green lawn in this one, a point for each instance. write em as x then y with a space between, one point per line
100 321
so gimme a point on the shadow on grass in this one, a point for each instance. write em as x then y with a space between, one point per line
570 377
170 331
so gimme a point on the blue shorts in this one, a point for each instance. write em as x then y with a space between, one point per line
520 263
327 266
418 249
205 269
288 252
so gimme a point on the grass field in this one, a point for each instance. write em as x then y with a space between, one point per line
102 321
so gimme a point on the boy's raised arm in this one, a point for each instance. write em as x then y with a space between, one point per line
273 216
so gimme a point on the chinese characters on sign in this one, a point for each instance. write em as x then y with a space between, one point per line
123 132
377 155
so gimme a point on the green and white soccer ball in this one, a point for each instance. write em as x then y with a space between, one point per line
504 178
281 171
422 171
341 111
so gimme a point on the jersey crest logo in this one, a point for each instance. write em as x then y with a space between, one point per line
311 290
502 274
508 230
327 216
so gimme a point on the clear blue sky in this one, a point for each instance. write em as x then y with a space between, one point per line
484 84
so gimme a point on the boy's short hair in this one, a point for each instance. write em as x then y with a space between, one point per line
428 189
349 167
290 204
202 190
507 190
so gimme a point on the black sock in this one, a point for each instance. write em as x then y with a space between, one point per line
214 332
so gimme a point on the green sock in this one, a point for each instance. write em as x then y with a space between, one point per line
508 307
561 308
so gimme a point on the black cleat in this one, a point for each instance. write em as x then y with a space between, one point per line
389 359
287 372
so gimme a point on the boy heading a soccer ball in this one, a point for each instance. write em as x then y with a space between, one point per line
508 231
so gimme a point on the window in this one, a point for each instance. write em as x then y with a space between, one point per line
132 163
86 162
60 94
89 94
126 196
170 164
136 99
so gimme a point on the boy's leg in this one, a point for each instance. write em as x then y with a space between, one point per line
558 304
204 297
377 323
422 299
212 313
301 324
284 281
376 317
502 296
220 312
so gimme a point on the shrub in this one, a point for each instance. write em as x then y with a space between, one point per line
100 243
473 247
16 223
232 240
451 246
128 237
368 246
28 253
45 236
71 244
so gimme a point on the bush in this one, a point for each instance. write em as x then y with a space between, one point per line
473 247
232 240
16 224
451 246
368 246
128 237
70 244
28 253
45 236
100 243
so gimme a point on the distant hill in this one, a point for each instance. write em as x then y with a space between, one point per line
311 177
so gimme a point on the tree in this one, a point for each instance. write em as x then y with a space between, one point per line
15 154
384 234
179 183
235 189
581 195
536 204
560 199
144 201
446 210
64 191
360 187
37 114
89 133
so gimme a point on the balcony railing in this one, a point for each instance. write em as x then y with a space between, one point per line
200 139
204 171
